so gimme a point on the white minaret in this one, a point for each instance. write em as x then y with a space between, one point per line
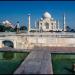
58 25
35 25
28 22
64 23
18 26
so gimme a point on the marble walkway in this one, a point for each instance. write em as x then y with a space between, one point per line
37 62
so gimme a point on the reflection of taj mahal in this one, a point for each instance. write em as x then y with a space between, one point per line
47 23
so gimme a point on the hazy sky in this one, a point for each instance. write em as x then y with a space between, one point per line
17 11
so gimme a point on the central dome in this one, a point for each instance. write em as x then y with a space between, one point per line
46 15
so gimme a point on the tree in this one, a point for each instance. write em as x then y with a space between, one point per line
68 28
72 30
9 29
2 28
23 28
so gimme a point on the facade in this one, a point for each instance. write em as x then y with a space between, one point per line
47 23
30 40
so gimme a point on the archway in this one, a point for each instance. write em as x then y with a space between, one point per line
8 43
8 55
47 25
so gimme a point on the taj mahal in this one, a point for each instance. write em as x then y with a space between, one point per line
47 23
46 33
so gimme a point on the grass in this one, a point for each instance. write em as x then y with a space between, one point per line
8 66
62 63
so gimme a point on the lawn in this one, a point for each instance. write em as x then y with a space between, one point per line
8 66
62 63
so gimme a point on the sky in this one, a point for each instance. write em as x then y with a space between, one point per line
18 11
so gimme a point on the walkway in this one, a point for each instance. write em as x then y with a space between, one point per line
47 48
14 49
37 62
57 49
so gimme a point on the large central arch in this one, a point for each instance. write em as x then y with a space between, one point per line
8 43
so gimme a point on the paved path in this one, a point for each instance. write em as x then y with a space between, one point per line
57 49
47 48
37 62
14 49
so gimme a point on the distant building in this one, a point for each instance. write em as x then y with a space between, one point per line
7 23
47 23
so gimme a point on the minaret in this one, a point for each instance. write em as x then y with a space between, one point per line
35 26
28 22
58 25
64 23
18 26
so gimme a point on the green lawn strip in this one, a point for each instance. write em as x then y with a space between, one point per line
62 63
8 66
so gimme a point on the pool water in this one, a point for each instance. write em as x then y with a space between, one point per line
8 66
62 63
